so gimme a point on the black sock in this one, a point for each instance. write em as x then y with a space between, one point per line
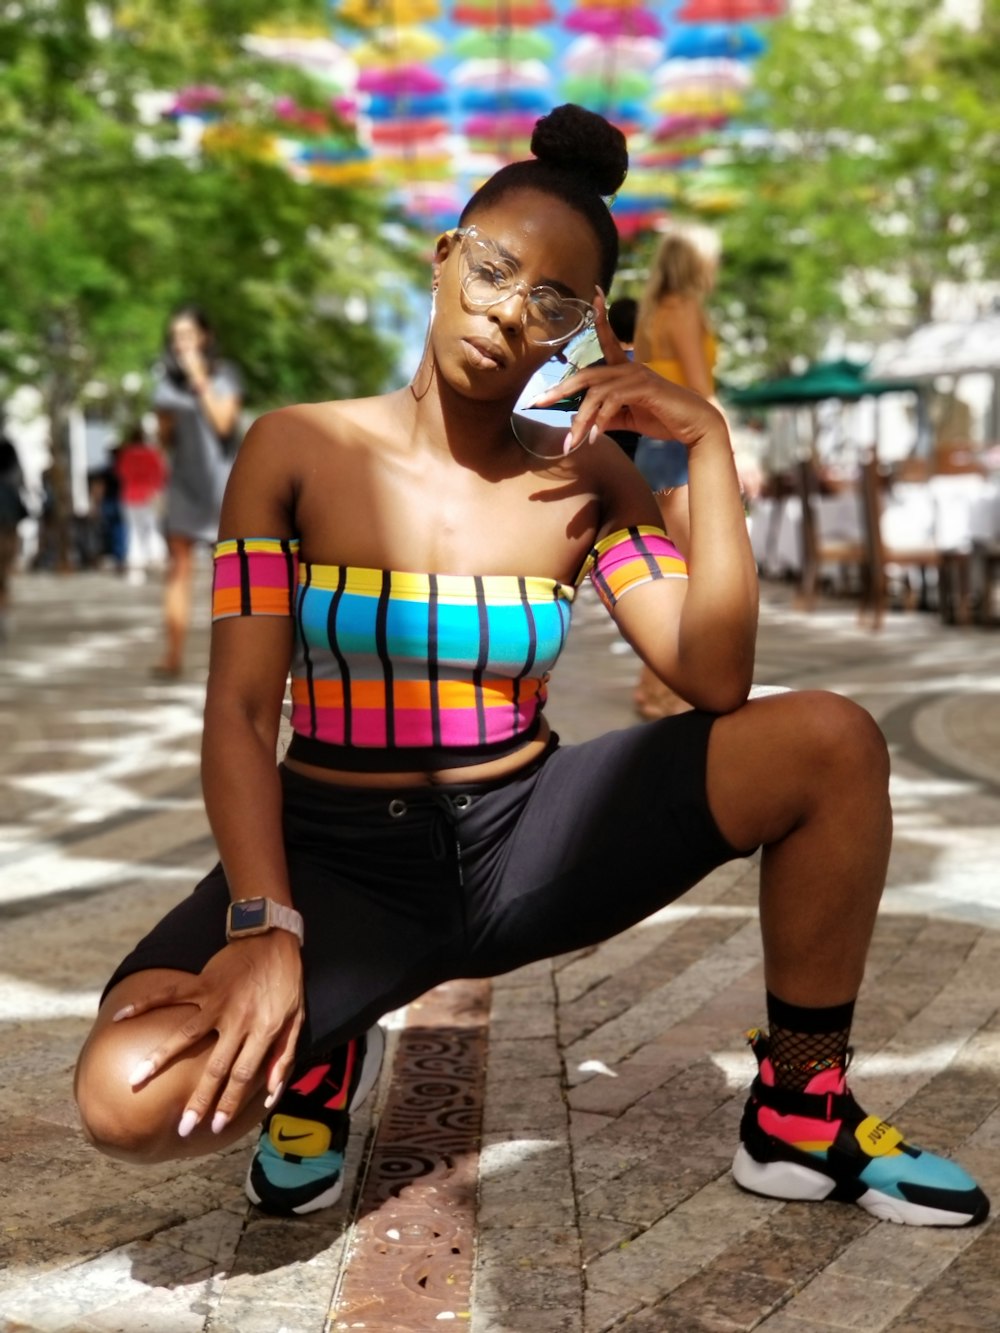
804 1042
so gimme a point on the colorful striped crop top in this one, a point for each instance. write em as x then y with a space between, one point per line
404 671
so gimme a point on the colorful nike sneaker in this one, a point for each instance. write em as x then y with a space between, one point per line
298 1164
819 1144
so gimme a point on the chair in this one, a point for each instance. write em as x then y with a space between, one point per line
887 556
845 548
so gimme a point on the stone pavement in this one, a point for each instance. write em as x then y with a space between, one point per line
561 1137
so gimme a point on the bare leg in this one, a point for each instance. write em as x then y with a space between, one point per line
140 1124
806 774
177 601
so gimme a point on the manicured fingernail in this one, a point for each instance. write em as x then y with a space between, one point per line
188 1121
594 432
274 1096
219 1121
127 1012
140 1073
568 442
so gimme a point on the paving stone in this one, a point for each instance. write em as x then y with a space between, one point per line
616 1182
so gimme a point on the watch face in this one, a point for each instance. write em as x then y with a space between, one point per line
248 915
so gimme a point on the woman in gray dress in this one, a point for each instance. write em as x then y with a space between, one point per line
198 399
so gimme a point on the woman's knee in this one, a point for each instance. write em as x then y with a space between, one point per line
116 1119
837 735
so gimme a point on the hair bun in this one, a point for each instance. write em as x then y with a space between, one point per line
584 144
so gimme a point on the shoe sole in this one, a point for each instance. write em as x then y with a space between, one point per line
793 1182
371 1067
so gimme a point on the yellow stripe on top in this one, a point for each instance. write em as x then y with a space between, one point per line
627 559
412 587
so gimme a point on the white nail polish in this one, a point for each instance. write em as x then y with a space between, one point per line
140 1073
127 1012
567 445
274 1096
188 1121
219 1121
594 432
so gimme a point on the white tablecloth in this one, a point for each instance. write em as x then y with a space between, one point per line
946 513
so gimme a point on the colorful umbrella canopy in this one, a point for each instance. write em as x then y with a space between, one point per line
495 73
401 81
589 55
614 22
387 13
504 44
737 40
728 11
401 46
501 14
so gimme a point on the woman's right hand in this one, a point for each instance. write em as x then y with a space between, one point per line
250 993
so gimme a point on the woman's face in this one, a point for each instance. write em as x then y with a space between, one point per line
486 353
187 338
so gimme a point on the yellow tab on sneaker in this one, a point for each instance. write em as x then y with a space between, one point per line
301 1138
878 1138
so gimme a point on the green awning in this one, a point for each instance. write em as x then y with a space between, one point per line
824 379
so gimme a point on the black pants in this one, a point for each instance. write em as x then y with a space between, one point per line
401 890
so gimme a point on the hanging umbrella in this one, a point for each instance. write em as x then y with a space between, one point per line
706 72
736 40
501 14
401 46
499 98
202 101
596 91
386 13
402 81
588 55
505 44
385 107
614 22
491 74
728 11
686 126
315 55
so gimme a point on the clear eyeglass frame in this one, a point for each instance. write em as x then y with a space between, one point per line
548 318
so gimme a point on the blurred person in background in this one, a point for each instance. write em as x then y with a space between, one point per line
142 474
12 510
198 401
673 338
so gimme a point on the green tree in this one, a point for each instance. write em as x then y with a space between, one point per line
106 224
879 178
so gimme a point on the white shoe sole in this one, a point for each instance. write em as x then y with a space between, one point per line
371 1066
794 1182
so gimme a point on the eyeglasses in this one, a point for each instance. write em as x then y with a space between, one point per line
489 276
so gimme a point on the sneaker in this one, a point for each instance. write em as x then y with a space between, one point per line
298 1164
819 1144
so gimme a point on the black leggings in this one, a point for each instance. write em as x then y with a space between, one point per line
404 889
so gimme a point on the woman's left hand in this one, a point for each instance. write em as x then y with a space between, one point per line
622 394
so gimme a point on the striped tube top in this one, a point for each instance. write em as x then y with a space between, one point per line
395 670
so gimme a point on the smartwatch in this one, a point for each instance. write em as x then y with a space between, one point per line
256 916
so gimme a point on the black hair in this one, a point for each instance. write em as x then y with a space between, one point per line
621 317
172 367
582 159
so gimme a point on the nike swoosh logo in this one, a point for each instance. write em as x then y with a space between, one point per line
287 1138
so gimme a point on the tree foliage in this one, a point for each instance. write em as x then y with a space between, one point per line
876 180
107 223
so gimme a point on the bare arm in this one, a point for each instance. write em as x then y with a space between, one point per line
697 636
250 993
